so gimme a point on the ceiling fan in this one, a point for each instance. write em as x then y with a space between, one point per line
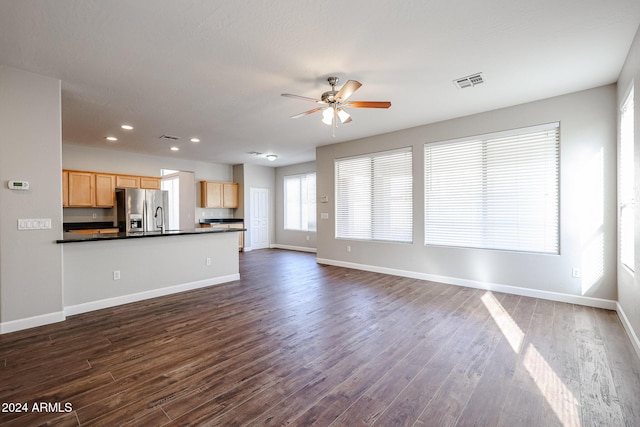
335 101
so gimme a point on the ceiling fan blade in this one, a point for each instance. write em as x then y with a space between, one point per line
347 90
304 98
306 113
367 104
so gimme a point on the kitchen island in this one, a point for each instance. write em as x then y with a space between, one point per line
105 270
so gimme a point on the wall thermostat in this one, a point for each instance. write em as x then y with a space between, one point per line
18 185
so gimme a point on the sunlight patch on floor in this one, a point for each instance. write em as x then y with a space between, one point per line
509 328
556 393
561 400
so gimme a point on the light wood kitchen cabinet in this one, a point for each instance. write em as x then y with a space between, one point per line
230 195
65 189
86 189
105 190
231 225
125 181
216 194
81 189
240 235
96 231
150 183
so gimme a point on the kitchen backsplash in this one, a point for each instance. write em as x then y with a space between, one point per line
88 214
213 213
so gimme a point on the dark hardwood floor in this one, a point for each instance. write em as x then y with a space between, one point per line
296 343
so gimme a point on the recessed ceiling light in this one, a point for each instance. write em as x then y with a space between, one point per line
175 149
127 127
111 138
195 139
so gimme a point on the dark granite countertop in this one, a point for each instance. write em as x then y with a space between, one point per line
87 225
221 220
77 237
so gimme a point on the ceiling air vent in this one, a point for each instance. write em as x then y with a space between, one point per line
469 81
170 138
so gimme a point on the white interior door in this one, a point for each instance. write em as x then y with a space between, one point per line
259 218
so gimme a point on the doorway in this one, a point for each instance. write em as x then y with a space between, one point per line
259 218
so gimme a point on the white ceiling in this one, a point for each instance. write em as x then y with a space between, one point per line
215 69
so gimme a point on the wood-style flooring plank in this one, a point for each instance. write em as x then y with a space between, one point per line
293 342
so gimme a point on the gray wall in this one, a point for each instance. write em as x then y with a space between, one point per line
301 240
628 283
30 260
588 215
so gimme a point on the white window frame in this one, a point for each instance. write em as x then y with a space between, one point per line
479 191
306 197
374 196
627 183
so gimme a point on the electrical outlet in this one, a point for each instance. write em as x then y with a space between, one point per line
348 248
576 272
207 262
307 238
116 274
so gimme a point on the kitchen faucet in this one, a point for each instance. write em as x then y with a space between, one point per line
161 218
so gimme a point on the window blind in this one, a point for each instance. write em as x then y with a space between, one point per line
300 202
374 196
495 192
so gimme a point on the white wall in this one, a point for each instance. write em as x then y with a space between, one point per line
628 283
148 267
30 261
291 238
588 216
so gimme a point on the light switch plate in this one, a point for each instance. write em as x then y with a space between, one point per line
34 224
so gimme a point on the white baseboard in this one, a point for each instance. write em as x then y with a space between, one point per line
31 322
294 248
628 328
515 290
125 299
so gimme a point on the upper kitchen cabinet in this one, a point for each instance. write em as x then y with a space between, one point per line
87 189
65 189
216 194
81 190
105 190
150 183
146 182
125 181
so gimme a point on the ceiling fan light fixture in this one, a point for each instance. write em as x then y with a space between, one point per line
327 116
343 115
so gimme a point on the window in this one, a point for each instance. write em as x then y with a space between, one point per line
498 191
626 183
300 202
374 199
171 183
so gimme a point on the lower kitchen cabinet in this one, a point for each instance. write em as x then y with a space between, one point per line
232 225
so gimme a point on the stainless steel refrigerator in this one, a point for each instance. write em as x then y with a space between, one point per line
142 210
